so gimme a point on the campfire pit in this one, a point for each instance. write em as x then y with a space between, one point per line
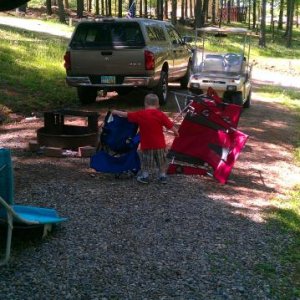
56 133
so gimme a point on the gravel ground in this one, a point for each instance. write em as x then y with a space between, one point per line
190 239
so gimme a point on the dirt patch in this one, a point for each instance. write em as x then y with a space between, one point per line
264 170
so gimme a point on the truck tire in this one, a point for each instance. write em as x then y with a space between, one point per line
87 95
247 104
162 89
185 79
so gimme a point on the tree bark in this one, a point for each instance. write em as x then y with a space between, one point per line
61 12
48 7
166 10
80 8
262 33
145 9
120 8
272 15
213 11
280 17
228 11
290 23
174 12
97 7
159 9
198 14
254 15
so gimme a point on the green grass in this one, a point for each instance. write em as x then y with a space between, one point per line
32 76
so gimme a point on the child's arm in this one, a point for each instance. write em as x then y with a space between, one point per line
175 131
119 113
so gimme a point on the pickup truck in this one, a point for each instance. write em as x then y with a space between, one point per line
123 54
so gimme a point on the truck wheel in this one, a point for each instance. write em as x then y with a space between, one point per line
185 79
237 98
247 104
86 95
162 89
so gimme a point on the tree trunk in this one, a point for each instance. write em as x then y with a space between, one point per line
185 9
288 14
80 8
97 7
290 23
159 9
249 15
174 12
61 12
204 12
166 10
102 8
198 14
145 9
109 8
254 15
228 11
213 10
221 13
262 33
272 15
48 7
141 8
120 8
182 11
280 17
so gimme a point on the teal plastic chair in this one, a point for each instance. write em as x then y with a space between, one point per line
19 215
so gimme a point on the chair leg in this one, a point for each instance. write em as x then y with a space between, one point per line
47 229
8 239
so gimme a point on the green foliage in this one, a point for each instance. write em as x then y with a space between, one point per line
32 76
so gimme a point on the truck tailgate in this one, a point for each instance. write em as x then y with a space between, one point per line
108 62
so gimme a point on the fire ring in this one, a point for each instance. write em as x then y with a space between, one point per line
56 134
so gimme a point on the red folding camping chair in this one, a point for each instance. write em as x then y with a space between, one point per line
208 142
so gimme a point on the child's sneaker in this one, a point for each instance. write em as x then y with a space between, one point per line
163 179
142 179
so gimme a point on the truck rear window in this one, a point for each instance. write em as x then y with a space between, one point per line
108 35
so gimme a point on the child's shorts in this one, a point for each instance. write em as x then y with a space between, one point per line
153 158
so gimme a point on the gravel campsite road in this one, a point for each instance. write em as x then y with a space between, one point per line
190 239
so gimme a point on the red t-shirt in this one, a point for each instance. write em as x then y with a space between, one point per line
151 123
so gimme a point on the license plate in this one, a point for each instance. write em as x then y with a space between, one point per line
108 79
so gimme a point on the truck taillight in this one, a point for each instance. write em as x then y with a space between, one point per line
149 60
67 58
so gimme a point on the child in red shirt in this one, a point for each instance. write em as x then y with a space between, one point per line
151 122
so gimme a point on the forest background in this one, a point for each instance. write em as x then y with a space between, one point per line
261 16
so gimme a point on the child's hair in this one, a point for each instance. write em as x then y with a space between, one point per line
151 100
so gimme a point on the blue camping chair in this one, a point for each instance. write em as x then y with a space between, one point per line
119 143
19 215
